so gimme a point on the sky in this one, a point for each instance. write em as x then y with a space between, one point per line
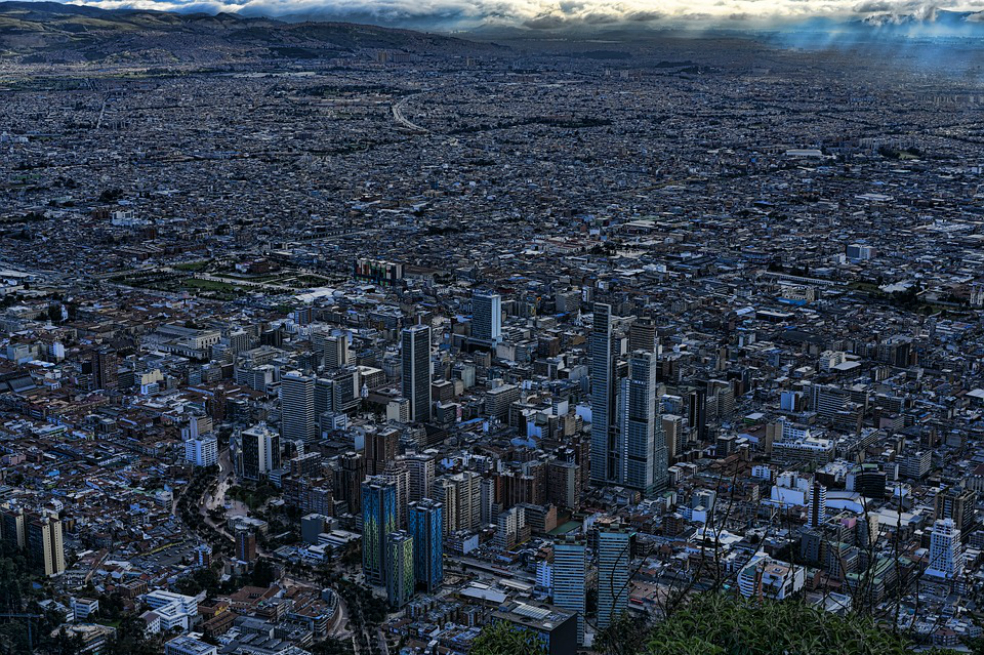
559 15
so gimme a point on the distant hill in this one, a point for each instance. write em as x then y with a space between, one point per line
50 32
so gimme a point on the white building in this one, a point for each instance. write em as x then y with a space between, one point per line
202 451
945 554
764 577
175 610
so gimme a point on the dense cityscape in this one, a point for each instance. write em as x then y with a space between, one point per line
376 348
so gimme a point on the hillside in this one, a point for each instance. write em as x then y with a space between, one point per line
49 32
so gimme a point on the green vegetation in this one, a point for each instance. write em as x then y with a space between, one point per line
193 267
717 624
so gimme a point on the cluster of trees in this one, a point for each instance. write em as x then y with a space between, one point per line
721 624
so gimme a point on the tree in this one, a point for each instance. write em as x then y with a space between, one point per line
501 638
332 646
717 624
626 635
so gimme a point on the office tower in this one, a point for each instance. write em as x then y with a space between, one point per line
245 546
382 447
642 336
416 371
606 456
945 553
672 428
400 582
426 524
614 551
397 474
564 484
421 467
487 317
297 407
379 519
261 451
336 352
348 480
202 451
697 413
511 528
324 399
105 369
645 461
469 497
45 547
346 390
957 504
569 590
818 506
14 528
446 492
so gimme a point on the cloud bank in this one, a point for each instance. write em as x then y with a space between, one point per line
559 15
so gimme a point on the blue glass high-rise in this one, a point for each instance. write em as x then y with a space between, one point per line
426 521
378 521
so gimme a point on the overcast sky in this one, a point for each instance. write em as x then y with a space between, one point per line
556 15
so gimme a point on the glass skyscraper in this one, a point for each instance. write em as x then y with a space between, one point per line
416 374
486 317
640 426
569 591
614 552
378 522
426 522
399 569
606 456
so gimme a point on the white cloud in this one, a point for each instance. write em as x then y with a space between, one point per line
559 14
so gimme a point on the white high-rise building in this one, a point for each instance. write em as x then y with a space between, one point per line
202 451
945 553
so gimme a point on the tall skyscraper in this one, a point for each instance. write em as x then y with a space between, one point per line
245 546
336 351
324 399
105 369
400 583
569 591
818 506
945 553
487 317
645 462
348 480
14 528
697 412
261 451
382 447
297 407
426 523
446 492
422 467
46 549
642 336
614 551
958 504
606 455
378 521
416 371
